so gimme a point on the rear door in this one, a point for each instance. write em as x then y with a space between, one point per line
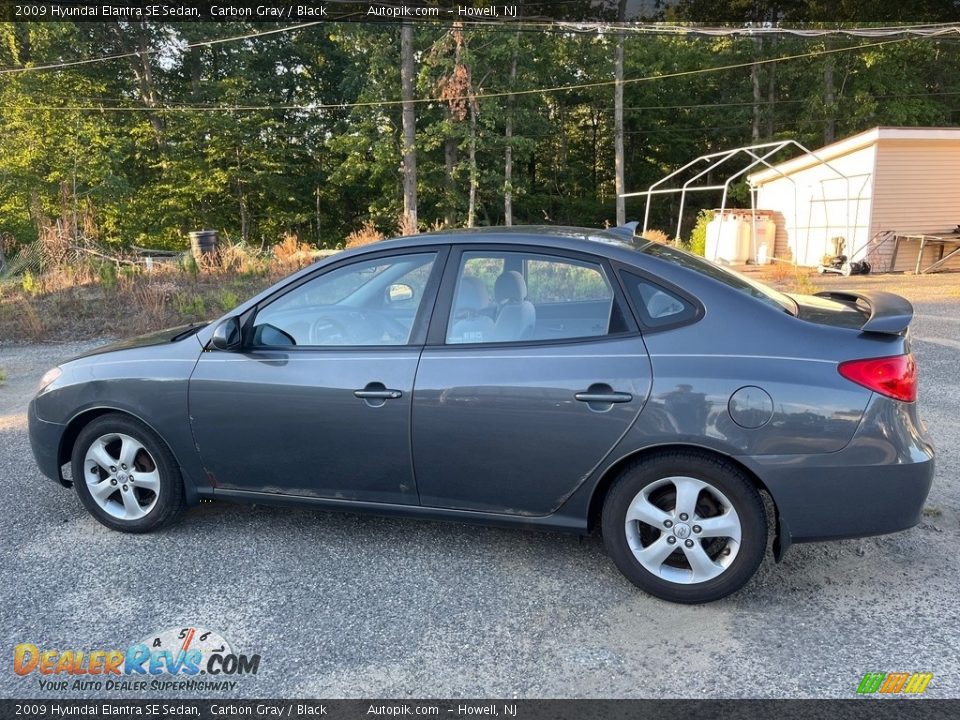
533 371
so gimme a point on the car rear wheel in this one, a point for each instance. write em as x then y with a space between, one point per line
685 527
125 475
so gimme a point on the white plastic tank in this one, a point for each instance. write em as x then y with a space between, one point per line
728 241
761 233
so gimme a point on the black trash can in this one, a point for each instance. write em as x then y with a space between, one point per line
203 242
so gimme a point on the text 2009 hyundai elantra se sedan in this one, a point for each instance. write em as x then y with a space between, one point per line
560 378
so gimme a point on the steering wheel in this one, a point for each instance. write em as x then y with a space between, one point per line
394 327
324 329
361 328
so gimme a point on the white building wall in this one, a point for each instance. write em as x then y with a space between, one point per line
815 204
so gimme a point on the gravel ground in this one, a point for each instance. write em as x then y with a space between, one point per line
341 605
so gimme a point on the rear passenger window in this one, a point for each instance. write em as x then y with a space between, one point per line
657 306
519 297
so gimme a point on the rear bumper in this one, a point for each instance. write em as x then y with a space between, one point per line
45 443
877 484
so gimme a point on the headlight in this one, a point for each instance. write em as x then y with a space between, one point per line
48 377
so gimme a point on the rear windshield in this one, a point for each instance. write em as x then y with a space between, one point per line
728 277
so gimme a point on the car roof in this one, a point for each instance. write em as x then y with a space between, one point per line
562 236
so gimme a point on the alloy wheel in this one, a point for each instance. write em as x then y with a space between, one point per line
683 530
122 476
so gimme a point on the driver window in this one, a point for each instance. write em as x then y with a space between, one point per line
371 302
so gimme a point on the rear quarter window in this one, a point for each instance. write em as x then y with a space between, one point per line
657 306
735 280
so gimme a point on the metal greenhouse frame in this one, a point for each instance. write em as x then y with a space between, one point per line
757 155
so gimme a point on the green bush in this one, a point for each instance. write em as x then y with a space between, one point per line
227 300
107 273
190 306
698 236
189 264
31 286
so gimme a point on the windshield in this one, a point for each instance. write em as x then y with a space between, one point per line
728 277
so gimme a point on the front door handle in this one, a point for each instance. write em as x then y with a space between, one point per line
377 394
604 397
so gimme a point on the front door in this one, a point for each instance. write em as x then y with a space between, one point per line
318 402
533 378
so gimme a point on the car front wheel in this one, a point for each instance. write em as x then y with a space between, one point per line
685 527
125 475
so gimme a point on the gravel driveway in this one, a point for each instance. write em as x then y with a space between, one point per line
342 605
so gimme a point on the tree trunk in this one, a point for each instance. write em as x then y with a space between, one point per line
22 46
242 200
318 217
472 203
451 151
142 71
508 138
757 97
771 95
409 165
830 125
618 162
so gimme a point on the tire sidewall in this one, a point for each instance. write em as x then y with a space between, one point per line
170 497
727 480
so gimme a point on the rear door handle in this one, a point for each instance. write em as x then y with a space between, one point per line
604 397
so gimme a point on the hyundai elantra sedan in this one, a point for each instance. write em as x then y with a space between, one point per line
558 378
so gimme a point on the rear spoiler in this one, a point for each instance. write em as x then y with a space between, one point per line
889 313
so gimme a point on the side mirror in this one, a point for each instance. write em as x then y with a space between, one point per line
399 292
227 335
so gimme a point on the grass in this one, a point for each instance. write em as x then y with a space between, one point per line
3 376
97 298
790 278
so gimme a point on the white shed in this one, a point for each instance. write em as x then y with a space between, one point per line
882 189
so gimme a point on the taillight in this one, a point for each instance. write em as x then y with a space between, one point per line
895 377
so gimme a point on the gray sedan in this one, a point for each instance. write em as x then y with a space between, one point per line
561 378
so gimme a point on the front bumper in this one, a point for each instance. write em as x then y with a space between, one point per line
45 440
877 484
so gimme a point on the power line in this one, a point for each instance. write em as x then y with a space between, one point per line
925 30
151 51
748 103
480 96
691 106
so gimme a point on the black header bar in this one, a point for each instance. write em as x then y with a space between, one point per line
759 16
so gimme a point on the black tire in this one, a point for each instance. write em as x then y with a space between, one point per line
720 475
169 499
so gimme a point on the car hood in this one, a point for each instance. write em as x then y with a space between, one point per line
160 337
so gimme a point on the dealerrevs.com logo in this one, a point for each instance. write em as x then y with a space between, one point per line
189 658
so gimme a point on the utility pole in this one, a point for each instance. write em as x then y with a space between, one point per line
619 183
409 164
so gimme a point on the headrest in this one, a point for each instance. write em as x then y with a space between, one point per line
510 287
472 294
